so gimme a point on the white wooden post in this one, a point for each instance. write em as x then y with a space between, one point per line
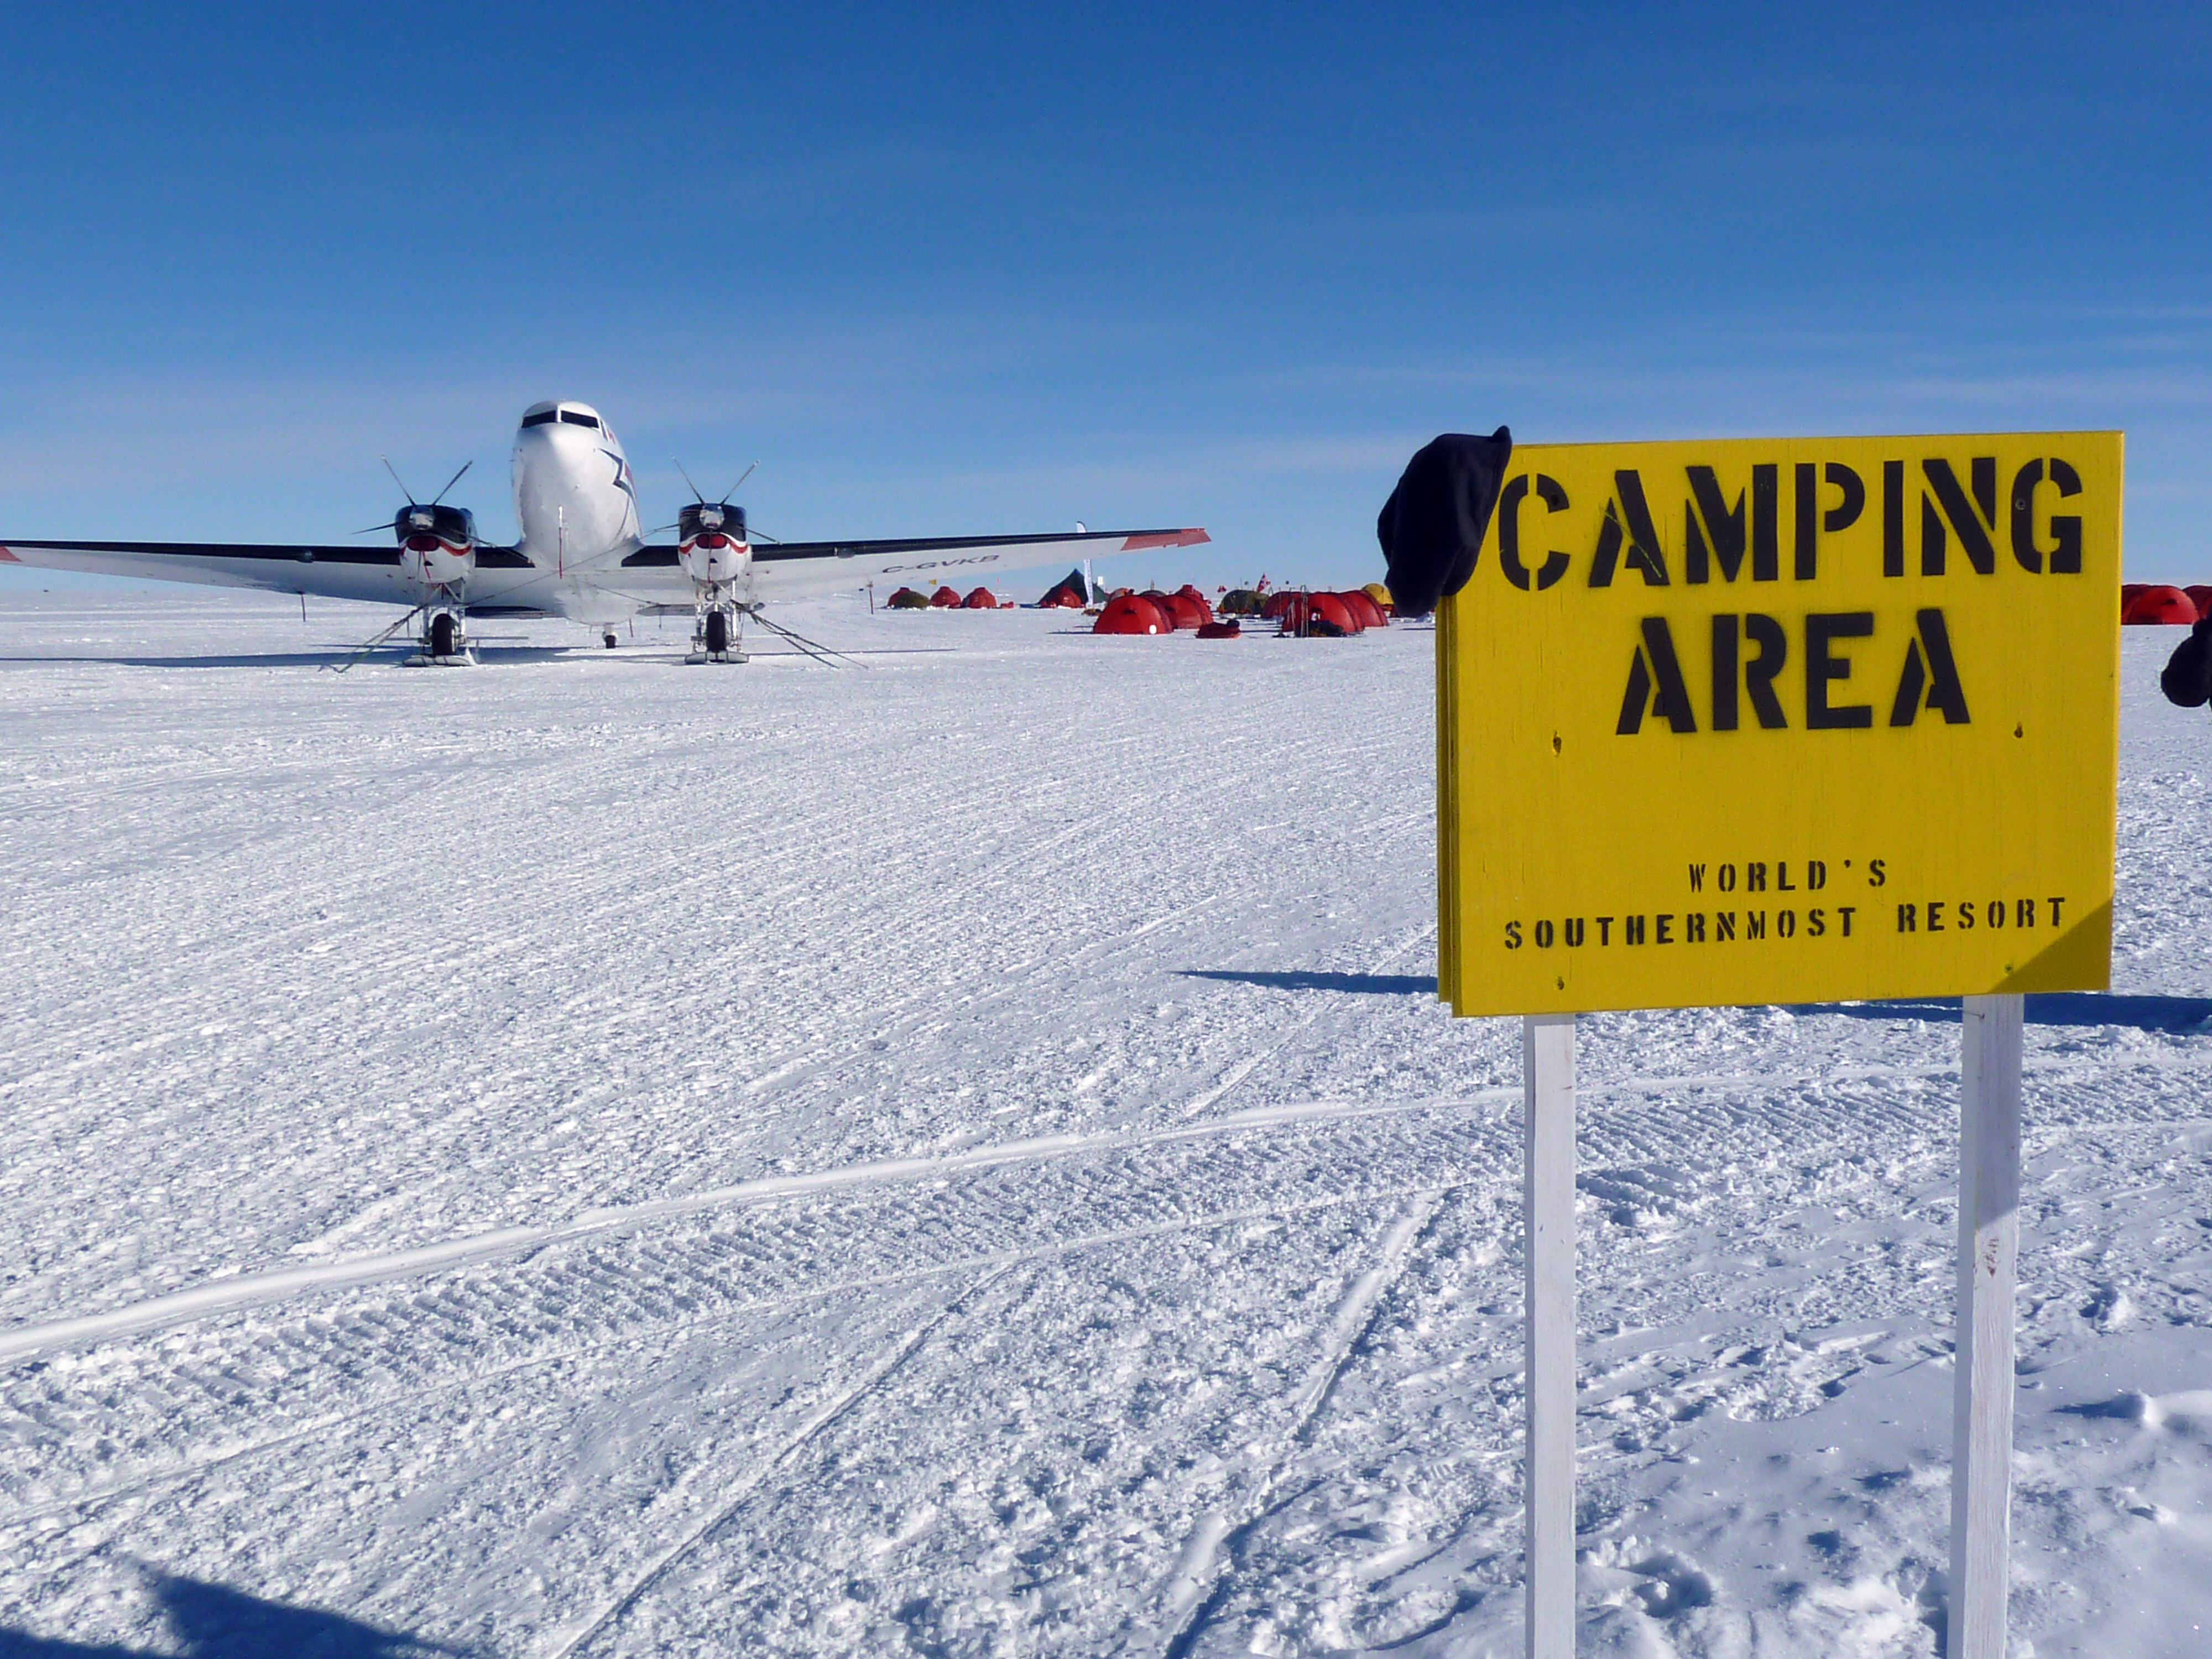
1547 1070
1982 1392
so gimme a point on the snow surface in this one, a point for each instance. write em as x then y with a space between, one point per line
961 1156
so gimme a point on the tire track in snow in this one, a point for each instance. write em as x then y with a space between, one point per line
997 1262
230 1294
823 1420
1198 1585
1605 1139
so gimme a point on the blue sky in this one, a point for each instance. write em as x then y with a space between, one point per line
951 272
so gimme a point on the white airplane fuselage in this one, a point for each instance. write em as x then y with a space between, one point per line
577 504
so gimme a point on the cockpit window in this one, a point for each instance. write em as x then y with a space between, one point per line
538 419
573 419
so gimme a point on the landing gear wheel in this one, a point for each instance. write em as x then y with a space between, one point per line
718 632
444 635
608 640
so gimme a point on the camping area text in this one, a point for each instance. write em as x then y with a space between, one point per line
1783 720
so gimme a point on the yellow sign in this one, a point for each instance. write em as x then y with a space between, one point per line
1783 721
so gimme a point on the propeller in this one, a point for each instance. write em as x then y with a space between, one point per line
413 506
699 499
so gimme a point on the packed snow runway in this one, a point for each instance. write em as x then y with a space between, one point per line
959 1155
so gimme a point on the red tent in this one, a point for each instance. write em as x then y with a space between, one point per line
2128 591
981 599
1062 598
945 599
2160 605
1332 608
1363 606
1190 610
1324 613
1317 613
2200 595
1176 615
1131 613
1277 604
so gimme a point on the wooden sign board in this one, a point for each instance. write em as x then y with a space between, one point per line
1786 721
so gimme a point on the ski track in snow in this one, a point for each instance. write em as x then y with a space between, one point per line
595 1157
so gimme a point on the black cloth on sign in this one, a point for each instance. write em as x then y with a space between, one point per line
1433 525
2188 677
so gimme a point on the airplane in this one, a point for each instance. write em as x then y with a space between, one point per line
581 555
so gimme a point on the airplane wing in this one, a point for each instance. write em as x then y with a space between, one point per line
783 570
351 572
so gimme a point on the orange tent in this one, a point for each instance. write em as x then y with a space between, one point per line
980 599
945 599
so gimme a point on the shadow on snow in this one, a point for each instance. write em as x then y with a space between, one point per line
2079 1008
211 1621
2147 1013
1373 985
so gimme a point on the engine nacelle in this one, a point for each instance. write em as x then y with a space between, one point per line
437 545
711 542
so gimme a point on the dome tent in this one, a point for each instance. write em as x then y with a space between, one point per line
1182 609
906 599
2200 595
1165 605
2157 606
1131 613
1240 602
1319 614
944 598
1362 604
980 599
